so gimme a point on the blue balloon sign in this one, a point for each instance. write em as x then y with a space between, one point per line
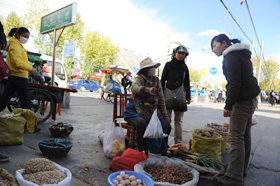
213 70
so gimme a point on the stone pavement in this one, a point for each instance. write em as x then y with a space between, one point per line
89 166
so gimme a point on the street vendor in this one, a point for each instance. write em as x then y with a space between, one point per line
147 95
107 85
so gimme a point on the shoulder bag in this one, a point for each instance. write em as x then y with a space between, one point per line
176 99
4 69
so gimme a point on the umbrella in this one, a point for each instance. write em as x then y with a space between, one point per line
116 70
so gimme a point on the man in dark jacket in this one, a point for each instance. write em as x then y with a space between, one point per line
176 73
3 43
242 89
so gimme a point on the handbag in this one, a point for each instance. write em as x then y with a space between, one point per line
176 99
4 69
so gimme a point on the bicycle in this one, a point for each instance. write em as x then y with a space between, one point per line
42 104
109 95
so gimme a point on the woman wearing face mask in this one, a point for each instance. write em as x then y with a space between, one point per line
18 63
174 75
147 96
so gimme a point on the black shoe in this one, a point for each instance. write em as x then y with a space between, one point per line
167 154
223 180
37 129
4 158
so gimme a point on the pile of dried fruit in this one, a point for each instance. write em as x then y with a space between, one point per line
224 127
207 133
41 171
169 174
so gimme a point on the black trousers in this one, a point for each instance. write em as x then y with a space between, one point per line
20 86
139 124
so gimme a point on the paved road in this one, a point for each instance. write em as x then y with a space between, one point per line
89 166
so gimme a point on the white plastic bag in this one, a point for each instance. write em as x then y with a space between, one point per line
154 128
167 162
66 182
254 120
113 141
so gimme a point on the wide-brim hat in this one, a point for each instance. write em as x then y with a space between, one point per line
146 63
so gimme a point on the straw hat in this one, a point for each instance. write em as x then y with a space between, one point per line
147 62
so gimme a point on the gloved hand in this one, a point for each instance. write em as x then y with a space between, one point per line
34 72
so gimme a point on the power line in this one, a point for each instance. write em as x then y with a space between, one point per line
252 22
247 5
235 21
267 71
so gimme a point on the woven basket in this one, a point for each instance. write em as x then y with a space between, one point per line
55 148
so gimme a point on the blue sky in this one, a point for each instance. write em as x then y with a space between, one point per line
148 26
197 16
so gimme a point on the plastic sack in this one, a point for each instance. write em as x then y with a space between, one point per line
61 129
113 141
6 175
167 162
12 127
254 120
127 160
206 145
154 128
65 182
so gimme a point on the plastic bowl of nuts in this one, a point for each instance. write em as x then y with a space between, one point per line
130 178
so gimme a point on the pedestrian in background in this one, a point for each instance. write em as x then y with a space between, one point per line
126 82
3 42
18 63
176 73
242 89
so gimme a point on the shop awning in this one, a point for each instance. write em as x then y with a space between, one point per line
116 70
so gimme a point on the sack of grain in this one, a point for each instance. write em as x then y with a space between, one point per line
7 179
65 182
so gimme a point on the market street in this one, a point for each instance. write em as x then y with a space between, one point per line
89 166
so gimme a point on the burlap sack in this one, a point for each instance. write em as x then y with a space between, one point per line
207 145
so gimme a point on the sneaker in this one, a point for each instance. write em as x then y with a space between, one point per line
223 180
4 158
37 129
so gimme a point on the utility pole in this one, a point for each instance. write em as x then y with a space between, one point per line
260 64
260 67
253 43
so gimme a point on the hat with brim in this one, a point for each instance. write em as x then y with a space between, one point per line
146 63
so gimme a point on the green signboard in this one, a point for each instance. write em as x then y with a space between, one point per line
63 17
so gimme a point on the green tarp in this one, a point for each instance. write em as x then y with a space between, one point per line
31 58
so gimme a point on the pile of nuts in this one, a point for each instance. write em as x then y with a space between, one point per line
207 133
41 171
4 182
174 175
224 127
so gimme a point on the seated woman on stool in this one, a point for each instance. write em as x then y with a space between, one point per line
147 96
